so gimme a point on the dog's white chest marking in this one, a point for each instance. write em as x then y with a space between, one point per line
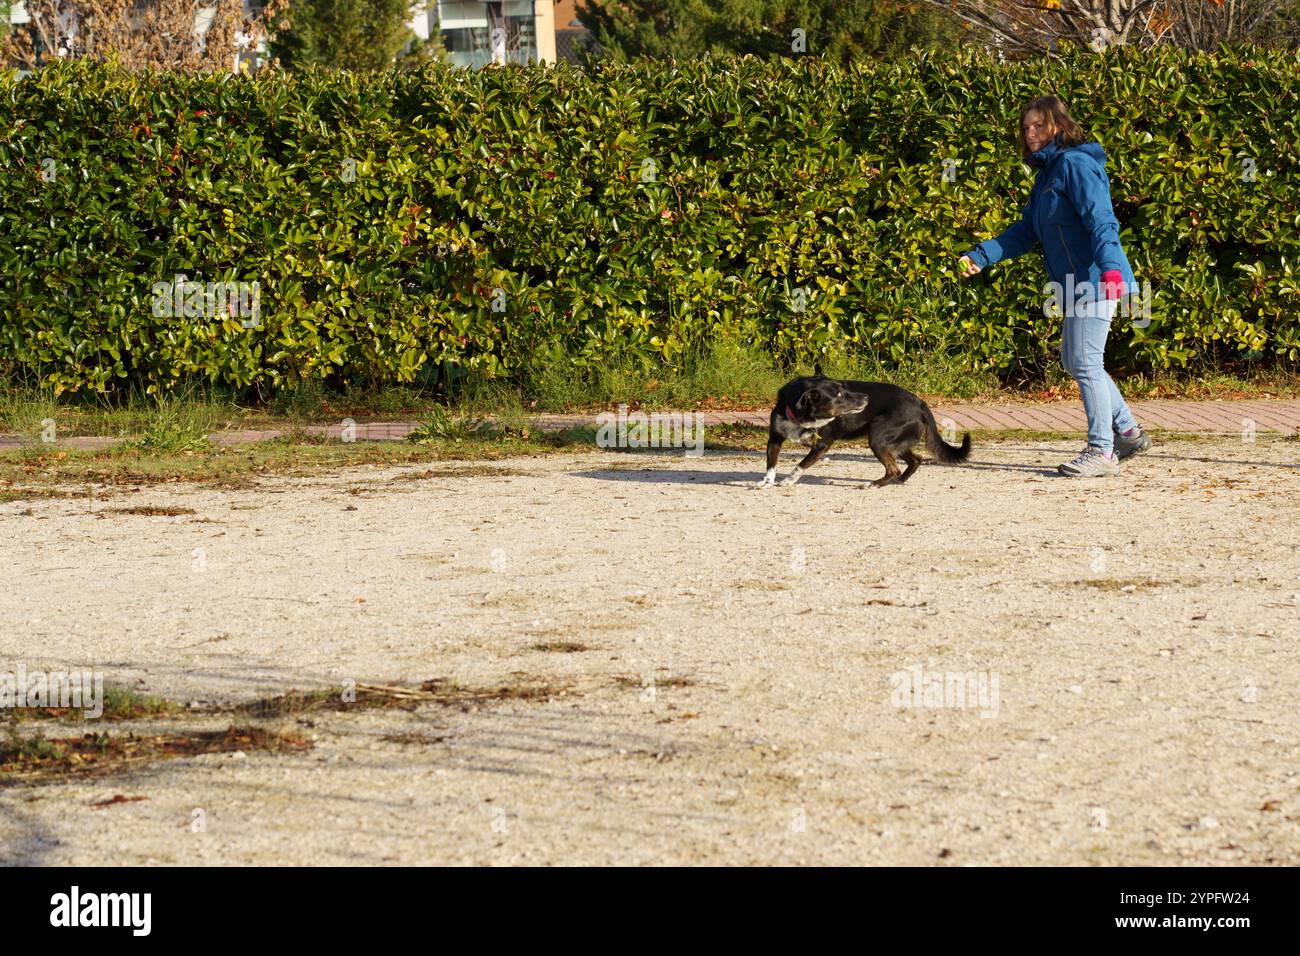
803 432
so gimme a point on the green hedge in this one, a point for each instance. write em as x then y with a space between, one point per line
767 178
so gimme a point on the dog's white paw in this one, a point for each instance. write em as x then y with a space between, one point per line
787 482
760 485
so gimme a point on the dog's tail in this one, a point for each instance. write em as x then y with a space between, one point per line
940 449
817 369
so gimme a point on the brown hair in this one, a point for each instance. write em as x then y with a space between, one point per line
1064 129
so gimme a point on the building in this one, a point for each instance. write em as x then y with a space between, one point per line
571 37
478 32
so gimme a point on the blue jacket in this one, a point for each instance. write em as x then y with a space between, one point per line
1069 212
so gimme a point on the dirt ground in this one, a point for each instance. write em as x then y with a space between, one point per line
720 665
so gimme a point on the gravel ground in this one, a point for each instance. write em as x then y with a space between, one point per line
736 694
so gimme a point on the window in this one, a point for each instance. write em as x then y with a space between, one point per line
476 34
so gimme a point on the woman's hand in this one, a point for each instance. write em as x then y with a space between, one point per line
966 266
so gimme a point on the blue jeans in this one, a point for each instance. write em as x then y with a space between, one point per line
1083 354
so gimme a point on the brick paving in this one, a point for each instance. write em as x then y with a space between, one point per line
1213 417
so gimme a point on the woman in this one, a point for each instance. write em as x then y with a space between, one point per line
1069 212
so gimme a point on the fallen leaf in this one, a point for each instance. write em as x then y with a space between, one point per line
115 800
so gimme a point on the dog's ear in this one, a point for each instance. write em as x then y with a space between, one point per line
803 405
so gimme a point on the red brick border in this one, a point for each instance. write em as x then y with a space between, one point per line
1225 417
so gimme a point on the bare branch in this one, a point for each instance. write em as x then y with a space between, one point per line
163 34
1037 26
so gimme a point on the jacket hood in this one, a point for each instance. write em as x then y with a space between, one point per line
1094 150
1049 153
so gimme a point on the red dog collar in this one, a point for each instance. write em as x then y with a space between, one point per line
790 415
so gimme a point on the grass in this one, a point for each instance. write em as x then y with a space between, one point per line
27 748
1126 584
301 702
726 374
122 703
1209 383
443 425
177 424
181 420
463 471
42 472
629 680
119 703
414 739
731 375
39 471
165 438
195 410
561 647
34 759
382 696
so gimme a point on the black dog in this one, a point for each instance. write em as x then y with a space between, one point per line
819 411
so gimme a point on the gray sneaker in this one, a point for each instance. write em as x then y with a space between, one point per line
1091 463
1130 446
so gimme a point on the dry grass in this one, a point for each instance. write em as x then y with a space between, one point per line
439 691
561 647
34 759
630 680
